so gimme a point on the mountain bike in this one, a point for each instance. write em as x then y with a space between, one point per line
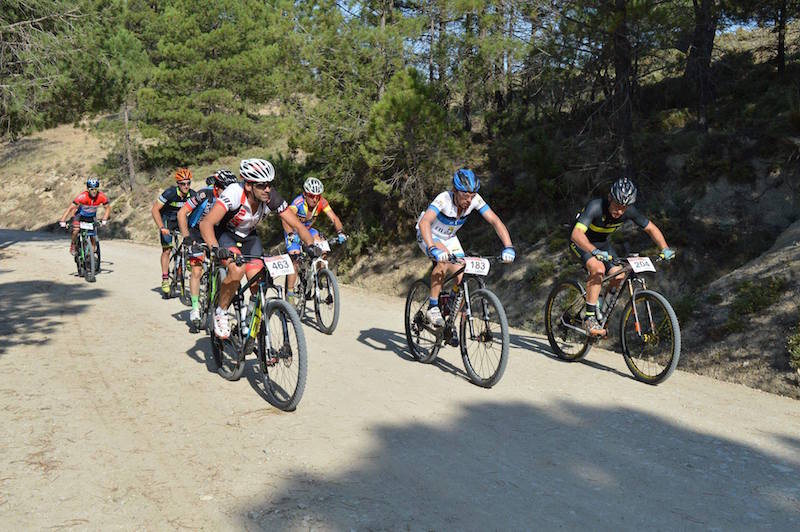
179 270
649 332
315 282
87 260
272 328
483 328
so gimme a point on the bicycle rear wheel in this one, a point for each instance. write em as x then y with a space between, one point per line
282 355
299 290
184 290
422 341
484 339
651 346
228 353
326 301
563 321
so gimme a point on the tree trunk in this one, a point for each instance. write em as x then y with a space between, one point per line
431 30
623 113
128 155
698 65
781 23
467 62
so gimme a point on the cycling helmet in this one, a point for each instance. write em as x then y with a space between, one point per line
623 191
183 174
222 178
465 181
256 170
313 186
92 182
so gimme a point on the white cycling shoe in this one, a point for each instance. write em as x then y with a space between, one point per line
222 327
435 317
194 315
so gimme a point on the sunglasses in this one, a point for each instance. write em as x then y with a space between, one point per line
181 183
261 186
313 196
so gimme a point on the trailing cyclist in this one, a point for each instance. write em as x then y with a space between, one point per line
189 217
238 210
437 226
165 214
84 209
589 242
307 207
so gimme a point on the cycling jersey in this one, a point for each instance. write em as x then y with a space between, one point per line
240 219
448 221
199 205
596 221
87 206
300 207
172 201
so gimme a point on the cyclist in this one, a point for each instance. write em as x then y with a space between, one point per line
589 242
307 206
84 209
237 211
437 226
165 214
189 217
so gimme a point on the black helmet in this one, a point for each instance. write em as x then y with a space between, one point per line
623 191
221 179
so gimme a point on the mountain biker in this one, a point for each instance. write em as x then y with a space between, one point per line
165 214
437 226
189 217
237 211
307 206
589 242
84 209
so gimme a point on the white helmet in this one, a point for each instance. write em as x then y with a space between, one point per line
256 170
313 186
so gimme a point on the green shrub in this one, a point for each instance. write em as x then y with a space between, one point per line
538 273
754 296
793 346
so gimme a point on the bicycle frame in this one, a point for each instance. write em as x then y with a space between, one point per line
264 282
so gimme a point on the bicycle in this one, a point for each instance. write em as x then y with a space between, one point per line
649 332
179 270
273 327
483 325
315 282
87 260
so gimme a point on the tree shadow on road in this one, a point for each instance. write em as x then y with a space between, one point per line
33 310
497 466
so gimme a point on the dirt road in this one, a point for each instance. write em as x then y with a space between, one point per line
113 417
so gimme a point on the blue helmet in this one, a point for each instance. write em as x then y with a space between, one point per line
92 182
465 180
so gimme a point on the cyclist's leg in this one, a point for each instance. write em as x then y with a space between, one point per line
166 248
75 229
617 281
235 273
595 269
252 246
293 249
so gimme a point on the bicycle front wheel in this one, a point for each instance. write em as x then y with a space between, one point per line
422 341
90 261
326 301
563 321
650 336
282 355
184 279
484 339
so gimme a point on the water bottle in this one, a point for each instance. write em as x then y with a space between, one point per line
245 326
600 308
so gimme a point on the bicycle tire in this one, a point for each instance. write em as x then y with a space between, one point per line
484 336
228 353
97 252
566 300
326 301
641 356
203 300
89 265
284 369
184 288
422 343
79 257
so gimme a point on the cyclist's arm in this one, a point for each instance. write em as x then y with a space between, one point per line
579 237
337 223
499 227
70 212
656 235
290 218
107 211
425 227
156 212
208 222
183 220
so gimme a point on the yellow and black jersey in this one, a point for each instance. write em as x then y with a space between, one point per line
597 223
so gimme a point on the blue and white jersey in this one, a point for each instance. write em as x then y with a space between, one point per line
447 220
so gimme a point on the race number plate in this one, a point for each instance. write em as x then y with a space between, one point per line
278 265
323 245
87 225
641 264
476 266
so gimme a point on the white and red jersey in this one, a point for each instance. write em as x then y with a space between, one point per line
240 218
87 205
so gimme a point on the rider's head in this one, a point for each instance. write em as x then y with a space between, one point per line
621 195
312 190
183 176
221 179
257 175
93 186
465 185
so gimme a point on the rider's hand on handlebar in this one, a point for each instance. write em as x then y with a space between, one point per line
341 237
667 254
314 251
437 254
62 224
222 253
601 255
508 254
103 222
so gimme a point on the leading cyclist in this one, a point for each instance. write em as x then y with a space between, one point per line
84 209
589 242
437 226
